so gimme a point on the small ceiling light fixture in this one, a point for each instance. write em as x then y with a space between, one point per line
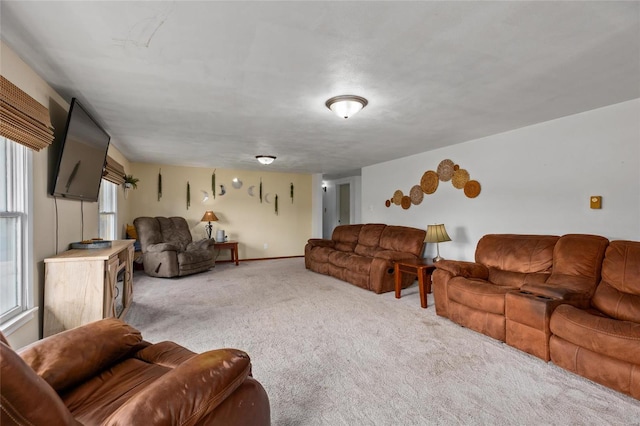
265 159
345 106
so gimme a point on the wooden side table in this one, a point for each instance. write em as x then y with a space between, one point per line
419 268
229 245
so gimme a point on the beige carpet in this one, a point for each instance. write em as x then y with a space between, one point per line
329 353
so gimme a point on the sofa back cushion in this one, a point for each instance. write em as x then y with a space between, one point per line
403 239
369 239
346 237
517 253
175 230
577 261
618 294
148 230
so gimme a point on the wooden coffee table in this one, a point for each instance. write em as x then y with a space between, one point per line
229 245
419 268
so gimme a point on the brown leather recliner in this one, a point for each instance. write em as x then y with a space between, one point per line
602 342
104 373
168 249
364 255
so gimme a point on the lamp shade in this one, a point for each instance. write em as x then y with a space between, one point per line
209 216
346 106
436 234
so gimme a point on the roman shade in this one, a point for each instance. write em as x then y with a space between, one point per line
113 171
22 118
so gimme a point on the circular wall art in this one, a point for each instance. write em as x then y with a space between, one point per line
416 194
387 203
406 202
397 197
472 189
445 170
429 182
460 178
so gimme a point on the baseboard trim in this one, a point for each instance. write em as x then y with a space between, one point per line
258 258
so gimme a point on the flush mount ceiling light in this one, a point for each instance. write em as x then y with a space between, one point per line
265 159
345 106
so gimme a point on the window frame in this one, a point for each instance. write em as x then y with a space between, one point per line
18 170
113 188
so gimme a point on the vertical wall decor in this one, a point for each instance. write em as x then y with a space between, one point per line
159 184
276 204
291 192
261 190
188 195
213 183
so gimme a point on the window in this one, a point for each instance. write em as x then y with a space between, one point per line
108 207
16 296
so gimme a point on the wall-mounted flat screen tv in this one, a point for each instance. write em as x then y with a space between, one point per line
83 153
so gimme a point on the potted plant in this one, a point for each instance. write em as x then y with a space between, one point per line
130 182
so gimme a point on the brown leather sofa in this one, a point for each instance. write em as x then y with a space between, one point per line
168 249
516 282
364 255
104 373
602 341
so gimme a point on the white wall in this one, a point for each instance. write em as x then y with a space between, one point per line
535 180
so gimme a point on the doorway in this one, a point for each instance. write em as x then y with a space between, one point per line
344 204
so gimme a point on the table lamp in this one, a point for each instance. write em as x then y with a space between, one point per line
437 234
209 217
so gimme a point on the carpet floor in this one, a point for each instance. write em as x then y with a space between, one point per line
329 353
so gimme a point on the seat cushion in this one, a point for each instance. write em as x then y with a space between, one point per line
478 294
96 399
614 338
194 260
356 263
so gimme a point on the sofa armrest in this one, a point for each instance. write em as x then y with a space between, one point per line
202 244
160 247
319 242
71 357
189 392
463 269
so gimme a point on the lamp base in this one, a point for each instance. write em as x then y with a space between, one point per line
209 228
438 258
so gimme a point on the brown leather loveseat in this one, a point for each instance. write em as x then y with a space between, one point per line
168 249
364 255
516 282
104 373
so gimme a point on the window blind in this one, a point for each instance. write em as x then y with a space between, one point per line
22 118
113 171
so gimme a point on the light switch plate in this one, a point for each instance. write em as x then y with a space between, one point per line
596 202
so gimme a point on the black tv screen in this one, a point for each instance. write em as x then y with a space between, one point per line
83 153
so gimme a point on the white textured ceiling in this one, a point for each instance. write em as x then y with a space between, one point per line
213 84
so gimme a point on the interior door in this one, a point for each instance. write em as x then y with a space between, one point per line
344 204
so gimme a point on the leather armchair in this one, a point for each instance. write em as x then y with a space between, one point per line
602 342
104 373
168 249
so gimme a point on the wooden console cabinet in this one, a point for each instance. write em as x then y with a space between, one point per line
80 286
